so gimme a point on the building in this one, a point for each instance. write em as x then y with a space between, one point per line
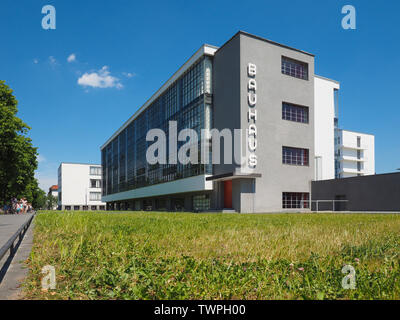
265 89
338 153
53 190
373 193
79 187
354 154
326 119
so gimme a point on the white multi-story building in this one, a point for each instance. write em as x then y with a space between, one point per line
326 101
338 153
354 154
79 187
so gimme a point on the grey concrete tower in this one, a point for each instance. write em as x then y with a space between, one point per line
261 188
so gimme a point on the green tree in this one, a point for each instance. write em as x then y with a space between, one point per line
36 196
39 199
51 201
18 157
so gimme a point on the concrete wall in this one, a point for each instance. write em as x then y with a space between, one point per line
368 193
273 132
226 95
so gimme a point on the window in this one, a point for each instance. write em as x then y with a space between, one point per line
294 68
93 208
292 200
95 183
95 196
201 203
358 142
295 156
295 113
85 208
95 171
76 207
67 207
193 84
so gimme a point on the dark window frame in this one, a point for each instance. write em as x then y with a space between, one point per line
294 68
295 156
295 200
295 113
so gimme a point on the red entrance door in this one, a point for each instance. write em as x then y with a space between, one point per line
228 194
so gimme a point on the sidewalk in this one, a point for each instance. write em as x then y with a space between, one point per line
12 272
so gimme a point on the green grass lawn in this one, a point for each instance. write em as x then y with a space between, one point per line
143 255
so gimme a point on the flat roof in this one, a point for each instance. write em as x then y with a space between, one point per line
369 176
325 78
358 132
83 164
266 40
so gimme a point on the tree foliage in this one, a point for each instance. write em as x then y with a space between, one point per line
18 157
51 202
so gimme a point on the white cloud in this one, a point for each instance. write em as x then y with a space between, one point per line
35 61
128 74
71 57
100 79
53 62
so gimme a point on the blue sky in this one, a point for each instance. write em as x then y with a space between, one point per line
129 48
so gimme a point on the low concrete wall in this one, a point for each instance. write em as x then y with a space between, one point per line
368 193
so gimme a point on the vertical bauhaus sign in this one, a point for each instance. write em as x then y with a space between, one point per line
252 114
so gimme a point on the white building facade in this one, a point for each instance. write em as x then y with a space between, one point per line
79 187
325 113
354 154
338 153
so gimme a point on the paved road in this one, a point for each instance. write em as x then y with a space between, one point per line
9 224
16 271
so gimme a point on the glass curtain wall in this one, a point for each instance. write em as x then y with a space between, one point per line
186 101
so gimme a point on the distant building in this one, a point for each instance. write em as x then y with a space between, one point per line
338 153
53 190
79 187
354 154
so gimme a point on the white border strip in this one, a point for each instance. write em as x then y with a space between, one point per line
191 184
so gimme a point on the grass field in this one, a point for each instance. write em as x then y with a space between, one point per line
142 255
